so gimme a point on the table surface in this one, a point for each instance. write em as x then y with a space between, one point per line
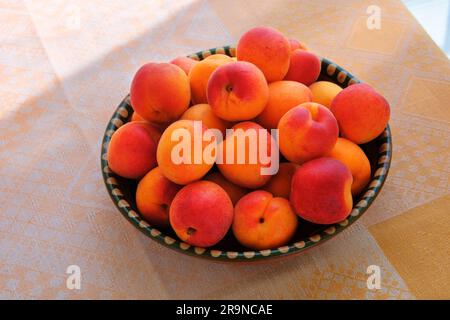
64 67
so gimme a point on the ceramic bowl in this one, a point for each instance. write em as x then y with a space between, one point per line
309 235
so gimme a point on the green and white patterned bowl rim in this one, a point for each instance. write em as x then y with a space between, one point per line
123 114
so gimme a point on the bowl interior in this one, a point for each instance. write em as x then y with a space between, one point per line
122 191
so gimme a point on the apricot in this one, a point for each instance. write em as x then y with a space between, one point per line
136 117
306 132
179 158
268 49
234 192
295 44
237 91
304 67
245 142
160 92
321 191
361 112
132 149
201 213
202 112
280 184
283 96
184 63
355 159
200 73
154 195
323 92
262 221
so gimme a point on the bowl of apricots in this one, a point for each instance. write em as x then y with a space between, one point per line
246 153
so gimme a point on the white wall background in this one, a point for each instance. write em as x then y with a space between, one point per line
434 16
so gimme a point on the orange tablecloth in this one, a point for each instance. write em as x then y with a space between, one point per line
64 67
